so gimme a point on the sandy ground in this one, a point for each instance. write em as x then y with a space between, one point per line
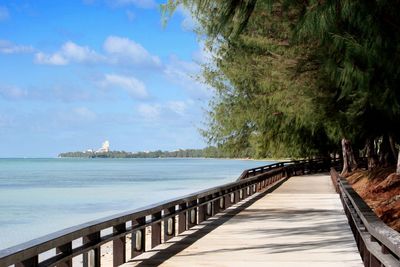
380 189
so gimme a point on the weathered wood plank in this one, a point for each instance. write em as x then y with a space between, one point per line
296 225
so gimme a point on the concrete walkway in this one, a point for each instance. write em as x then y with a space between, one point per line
301 223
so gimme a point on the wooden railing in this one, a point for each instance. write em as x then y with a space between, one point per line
378 244
295 167
173 216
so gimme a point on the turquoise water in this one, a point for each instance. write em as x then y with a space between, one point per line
40 196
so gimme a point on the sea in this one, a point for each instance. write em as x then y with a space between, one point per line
41 196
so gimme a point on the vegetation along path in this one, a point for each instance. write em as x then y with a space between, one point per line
301 223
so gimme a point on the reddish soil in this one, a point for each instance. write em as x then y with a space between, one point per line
380 189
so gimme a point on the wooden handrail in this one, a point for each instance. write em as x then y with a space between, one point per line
183 212
262 169
379 245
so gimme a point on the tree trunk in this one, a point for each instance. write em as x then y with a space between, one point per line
386 157
398 164
349 162
371 155
393 146
345 159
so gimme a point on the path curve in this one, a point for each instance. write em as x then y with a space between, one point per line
301 223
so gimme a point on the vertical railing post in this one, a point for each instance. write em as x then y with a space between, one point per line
209 207
156 230
215 204
245 191
119 256
67 250
365 254
138 240
221 202
227 200
259 185
232 198
268 181
202 209
237 195
92 258
31 262
169 224
182 218
192 214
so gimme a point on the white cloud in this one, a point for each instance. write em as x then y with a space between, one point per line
171 111
149 111
12 92
137 3
178 107
184 73
63 93
125 51
188 23
134 87
69 52
7 47
4 14
79 54
54 59
118 51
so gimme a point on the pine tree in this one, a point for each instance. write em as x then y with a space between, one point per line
296 77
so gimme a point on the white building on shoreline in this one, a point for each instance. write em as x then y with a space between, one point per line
104 148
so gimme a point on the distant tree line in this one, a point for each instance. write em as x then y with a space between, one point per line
208 152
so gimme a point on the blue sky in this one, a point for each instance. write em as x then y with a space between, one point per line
75 73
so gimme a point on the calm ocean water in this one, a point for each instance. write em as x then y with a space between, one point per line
40 196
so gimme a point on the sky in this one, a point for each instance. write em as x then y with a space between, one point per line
76 73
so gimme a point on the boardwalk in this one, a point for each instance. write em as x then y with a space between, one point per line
300 224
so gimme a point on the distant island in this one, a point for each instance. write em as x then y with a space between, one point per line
208 152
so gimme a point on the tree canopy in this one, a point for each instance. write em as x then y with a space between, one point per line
293 78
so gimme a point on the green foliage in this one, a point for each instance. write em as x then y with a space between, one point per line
208 152
292 78
358 53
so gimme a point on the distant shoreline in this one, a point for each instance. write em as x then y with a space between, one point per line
249 159
199 158
205 153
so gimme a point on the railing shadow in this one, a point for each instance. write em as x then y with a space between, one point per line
199 231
